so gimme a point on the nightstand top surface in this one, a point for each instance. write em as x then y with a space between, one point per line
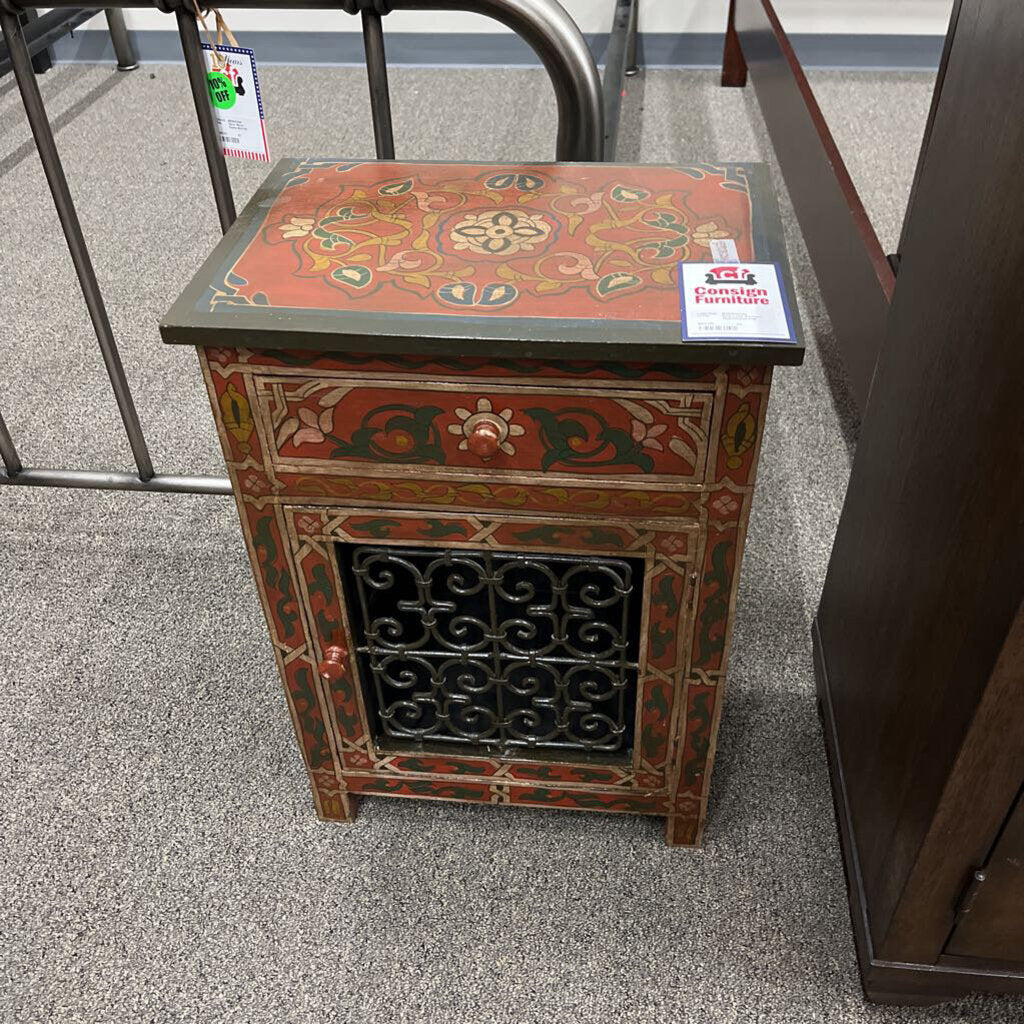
548 260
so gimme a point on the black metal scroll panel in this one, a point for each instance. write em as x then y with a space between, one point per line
553 603
498 649
528 706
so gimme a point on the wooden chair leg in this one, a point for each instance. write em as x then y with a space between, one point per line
734 67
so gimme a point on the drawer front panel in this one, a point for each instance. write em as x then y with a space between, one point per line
320 423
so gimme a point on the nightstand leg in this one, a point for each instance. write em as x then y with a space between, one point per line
339 807
680 831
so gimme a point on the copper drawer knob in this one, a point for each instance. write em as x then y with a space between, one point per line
332 668
484 439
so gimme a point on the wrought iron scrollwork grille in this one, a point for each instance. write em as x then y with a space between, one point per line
497 650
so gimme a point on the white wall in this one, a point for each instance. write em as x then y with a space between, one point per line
889 17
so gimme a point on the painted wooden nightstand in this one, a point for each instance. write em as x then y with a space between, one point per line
495 504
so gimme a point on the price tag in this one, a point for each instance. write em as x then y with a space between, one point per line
734 302
724 250
234 90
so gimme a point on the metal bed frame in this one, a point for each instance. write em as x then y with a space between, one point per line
583 135
43 30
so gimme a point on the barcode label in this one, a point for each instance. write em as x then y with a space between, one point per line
723 250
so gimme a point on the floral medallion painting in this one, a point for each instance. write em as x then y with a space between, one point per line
583 241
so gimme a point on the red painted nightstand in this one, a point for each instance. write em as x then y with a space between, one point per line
495 504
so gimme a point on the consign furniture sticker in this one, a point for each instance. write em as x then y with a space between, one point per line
734 302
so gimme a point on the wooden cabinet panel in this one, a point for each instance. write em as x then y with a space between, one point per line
991 925
920 630
688 537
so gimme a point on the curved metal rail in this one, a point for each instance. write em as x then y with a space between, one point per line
543 24
557 40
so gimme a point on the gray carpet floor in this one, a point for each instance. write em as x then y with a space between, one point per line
159 856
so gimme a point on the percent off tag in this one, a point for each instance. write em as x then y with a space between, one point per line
234 90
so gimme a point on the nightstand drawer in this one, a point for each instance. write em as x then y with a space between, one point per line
318 424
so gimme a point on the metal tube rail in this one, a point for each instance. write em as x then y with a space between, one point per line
632 32
50 159
557 40
42 32
8 452
127 59
160 483
377 73
543 24
195 64
613 84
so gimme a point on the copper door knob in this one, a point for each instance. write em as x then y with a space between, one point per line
332 668
484 439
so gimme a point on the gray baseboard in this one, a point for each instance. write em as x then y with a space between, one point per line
657 49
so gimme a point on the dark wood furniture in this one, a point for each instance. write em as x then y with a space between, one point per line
854 275
990 926
919 637
495 503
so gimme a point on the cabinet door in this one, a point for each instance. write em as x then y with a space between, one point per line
466 647
993 925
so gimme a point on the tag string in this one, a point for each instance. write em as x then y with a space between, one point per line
223 33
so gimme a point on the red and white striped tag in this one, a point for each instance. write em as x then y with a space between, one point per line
237 103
